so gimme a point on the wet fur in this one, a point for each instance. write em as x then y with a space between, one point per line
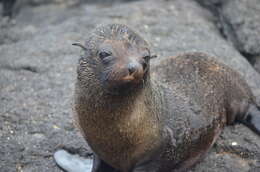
166 124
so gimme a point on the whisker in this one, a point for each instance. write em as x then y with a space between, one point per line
79 45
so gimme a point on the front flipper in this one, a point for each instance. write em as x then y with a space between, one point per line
75 163
252 119
72 163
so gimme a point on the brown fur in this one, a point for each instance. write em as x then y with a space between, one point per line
161 122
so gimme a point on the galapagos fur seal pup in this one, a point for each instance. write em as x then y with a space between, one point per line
159 120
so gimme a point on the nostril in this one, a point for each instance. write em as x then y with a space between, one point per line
131 68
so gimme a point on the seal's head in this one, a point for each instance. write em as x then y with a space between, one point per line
116 57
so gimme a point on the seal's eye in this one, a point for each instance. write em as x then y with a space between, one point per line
104 54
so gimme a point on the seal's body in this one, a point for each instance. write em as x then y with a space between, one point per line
161 120
201 96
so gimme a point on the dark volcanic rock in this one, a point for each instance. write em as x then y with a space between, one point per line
7 33
257 63
68 2
239 22
7 7
37 75
12 7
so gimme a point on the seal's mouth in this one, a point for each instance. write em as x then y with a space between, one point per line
124 75
126 83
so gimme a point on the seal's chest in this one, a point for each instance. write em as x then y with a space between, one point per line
124 142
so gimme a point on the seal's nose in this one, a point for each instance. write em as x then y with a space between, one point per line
135 72
134 68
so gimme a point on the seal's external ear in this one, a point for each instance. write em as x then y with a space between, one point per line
80 45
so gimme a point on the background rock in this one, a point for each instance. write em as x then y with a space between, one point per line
37 75
7 7
7 33
239 23
68 2
12 7
257 64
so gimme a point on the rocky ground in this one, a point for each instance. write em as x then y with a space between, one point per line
37 71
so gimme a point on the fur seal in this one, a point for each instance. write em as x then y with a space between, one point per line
159 120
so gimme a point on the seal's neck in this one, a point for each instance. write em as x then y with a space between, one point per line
132 118
106 106
126 104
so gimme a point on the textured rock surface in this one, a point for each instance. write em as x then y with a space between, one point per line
37 74
239 22
257 64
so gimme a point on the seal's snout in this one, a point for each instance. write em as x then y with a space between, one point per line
135 72
124 76
132 68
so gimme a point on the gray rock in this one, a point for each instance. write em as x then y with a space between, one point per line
239 22
37 75
257 64
12 7
68 3
7 33
7 7
44 2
